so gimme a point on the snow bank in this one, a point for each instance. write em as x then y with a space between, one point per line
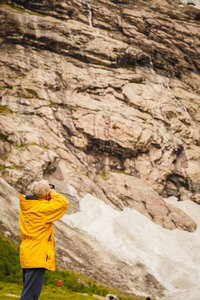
172 257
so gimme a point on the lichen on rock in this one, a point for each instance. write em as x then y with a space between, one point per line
103 99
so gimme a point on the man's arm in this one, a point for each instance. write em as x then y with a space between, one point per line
55 208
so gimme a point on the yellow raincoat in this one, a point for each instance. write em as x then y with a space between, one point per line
36 230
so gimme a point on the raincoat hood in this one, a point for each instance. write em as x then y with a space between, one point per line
27 202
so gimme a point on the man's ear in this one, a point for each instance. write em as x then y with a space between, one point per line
48 197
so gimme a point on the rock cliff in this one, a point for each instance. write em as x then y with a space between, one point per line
102 98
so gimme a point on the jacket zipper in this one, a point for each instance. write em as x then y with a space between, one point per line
48 241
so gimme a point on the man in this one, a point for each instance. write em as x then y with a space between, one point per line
37 252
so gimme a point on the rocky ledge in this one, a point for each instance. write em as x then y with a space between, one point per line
103 97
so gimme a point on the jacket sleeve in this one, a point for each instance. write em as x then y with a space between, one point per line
55 208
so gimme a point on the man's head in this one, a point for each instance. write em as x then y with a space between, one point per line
41 190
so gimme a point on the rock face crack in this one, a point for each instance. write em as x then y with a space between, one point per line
102 98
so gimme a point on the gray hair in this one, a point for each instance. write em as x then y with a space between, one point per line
40 189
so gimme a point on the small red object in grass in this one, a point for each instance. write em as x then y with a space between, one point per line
59 282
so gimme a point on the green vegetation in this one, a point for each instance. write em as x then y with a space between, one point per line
3 167
9 262
4 109
32 94
121 172
74 286
71 281
13 291
9 290
11 6
30 144
103 175
6 87
4 138
10 271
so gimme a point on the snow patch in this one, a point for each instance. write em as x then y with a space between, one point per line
172 257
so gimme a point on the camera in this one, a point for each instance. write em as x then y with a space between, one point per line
52 186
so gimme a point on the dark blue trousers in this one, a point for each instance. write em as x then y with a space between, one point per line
33 280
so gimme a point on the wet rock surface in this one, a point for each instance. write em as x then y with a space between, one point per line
102 97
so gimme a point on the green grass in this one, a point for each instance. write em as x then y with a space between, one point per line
10 271
9 262
48 292
72 288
